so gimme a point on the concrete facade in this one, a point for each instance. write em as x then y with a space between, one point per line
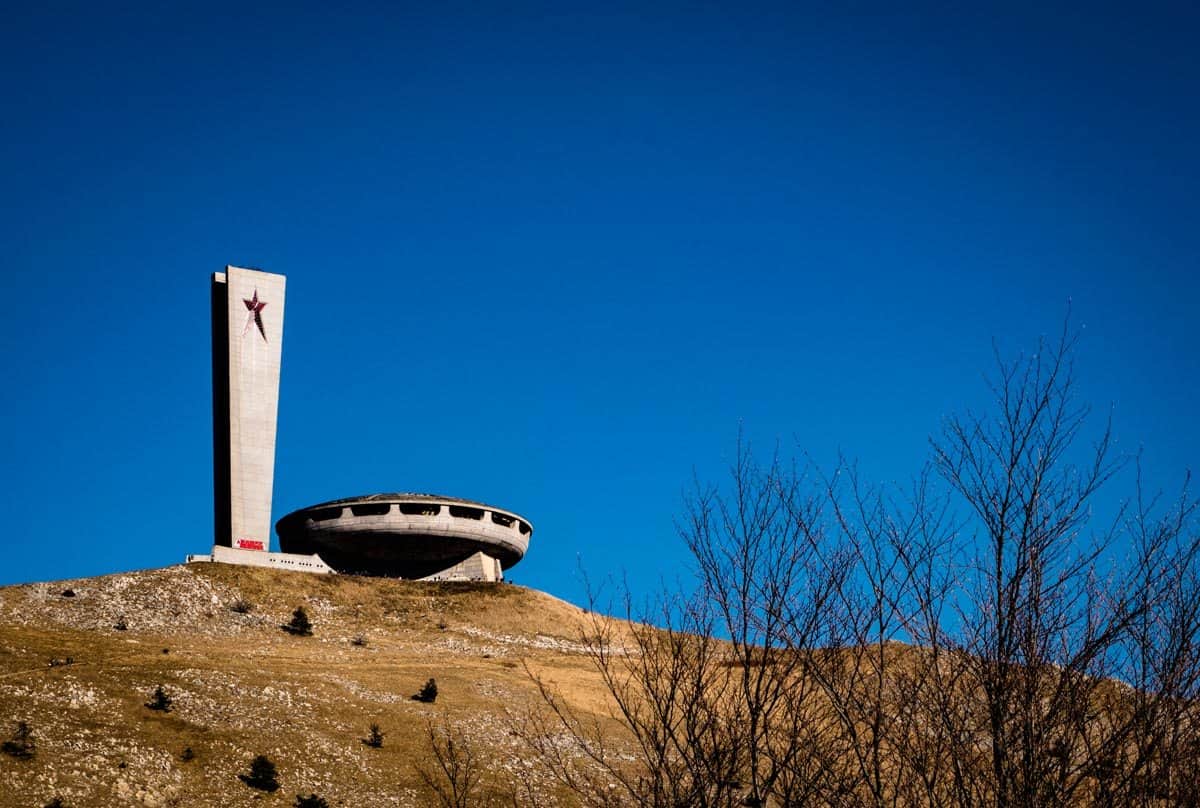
257 558
408 535
247 320
479 567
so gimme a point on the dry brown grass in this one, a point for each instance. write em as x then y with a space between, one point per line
241 686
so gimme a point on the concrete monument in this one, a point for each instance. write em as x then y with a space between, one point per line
247 327
247 343
401 535
407 535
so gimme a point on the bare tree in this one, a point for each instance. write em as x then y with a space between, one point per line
456 774
713 688
1148 750
772 577
670 691
882 692
980 637
1048 607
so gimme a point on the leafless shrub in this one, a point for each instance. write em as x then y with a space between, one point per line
241 606
455 773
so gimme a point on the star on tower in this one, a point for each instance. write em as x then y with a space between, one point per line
255 316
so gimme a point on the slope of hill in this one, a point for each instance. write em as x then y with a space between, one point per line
240 686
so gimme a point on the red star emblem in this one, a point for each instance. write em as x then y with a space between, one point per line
255 316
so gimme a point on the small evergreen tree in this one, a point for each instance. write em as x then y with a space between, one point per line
311 801
427 693
375 738
262 775
160 700
300 625
21 744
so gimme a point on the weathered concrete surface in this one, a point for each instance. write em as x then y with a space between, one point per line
479 567
404 534
257 558
247 341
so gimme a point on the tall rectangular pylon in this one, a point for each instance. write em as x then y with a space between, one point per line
247 324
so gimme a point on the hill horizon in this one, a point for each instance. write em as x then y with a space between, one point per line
80 660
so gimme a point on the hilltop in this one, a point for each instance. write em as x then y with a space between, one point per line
80 658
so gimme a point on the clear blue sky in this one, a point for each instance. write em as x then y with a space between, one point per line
550 257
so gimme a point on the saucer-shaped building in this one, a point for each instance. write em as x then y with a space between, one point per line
405 535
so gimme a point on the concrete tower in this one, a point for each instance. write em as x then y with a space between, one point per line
247 337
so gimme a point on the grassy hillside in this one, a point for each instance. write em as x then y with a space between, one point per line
241 686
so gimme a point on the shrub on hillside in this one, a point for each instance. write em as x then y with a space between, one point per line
160 700
311 801
241 606
55 803
262 775
21 744
300 624
187 755
375 737
427 693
